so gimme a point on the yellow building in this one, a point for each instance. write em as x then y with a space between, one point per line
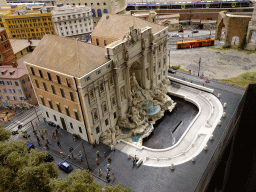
24 24
4 9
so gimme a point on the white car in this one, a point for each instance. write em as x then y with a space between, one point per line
175 35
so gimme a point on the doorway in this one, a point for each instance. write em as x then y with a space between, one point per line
63 123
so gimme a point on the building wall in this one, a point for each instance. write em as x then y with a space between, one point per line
21 53
202 14
75 24
7 56
26 26
28 91
102 41
12 92
58 99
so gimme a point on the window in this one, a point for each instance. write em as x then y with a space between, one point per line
22 98
16 83
53 90
37 85
62 93
97 130
68 82
97 41
11 91
23 81
93 13
101 87
50 104
1 82
41 74
106 122
71 126
8 82
4 90
7 97
58 78
72 96
104 107
105 42
47 114
95 114
91 94
105 11
113 101
58 107
67 111
49 76
80 129
45 88
76 115
25 89
32 71
19 91
54 117
15 98
114 115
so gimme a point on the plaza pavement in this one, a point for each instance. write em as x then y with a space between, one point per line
195 137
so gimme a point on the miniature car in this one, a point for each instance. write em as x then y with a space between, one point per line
174 35
15 132
195 31
48 158
30 146
65 166
180 30
51 124
171 71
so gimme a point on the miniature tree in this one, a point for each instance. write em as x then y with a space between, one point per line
4 134
24 171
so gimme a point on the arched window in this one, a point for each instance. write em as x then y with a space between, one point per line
99 13
93 13
105 11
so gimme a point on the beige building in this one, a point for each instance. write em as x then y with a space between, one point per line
86 88
112 27
171 21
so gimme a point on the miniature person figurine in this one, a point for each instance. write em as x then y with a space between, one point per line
97 161
62 154
114 177
98 154
99 172
108 166
58 143
109 159
112 148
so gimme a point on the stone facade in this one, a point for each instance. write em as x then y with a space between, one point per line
73 22
235 25
251 32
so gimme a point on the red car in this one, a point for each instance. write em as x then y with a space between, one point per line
195 31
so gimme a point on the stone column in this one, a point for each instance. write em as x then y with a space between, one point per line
128 83
117 88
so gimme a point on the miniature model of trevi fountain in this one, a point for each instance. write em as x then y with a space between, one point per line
147 107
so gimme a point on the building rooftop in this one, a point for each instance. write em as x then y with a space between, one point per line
20 44
10 72
115 26
67 55
69 9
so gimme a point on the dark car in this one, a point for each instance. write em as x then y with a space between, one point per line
51 124
171 71
48 158
195 31
180 30
65 166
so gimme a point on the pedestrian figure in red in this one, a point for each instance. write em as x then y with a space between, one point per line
114 177
57 135
42 136
97 161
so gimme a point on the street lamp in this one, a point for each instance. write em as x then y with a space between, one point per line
86 157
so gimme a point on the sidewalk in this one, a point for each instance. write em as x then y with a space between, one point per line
66 141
